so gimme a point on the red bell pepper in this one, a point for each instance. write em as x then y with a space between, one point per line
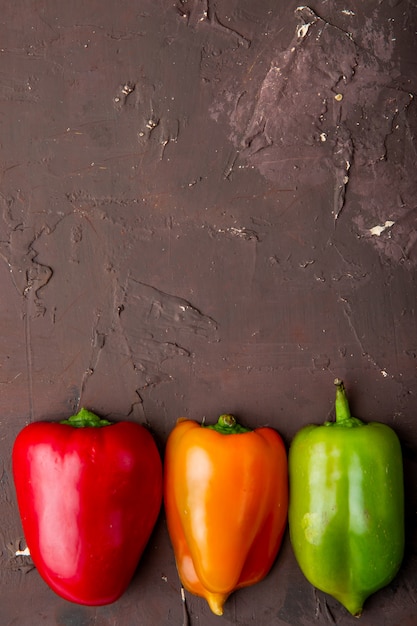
89 493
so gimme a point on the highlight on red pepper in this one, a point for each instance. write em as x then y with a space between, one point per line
89 493
226 499
346 511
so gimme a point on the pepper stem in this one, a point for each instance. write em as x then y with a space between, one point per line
343 417
86 419
341 403
227 425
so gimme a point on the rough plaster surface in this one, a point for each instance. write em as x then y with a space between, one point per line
206 207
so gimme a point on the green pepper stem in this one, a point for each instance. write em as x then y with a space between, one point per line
86 419
227 425
341 403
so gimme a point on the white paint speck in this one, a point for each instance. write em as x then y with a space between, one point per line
302 30
379 229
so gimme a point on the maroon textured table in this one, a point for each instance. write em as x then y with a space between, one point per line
207 207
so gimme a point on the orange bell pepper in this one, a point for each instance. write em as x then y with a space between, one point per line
226 502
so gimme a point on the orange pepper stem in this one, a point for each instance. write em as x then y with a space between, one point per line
227 425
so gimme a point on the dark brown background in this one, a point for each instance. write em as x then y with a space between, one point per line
188 227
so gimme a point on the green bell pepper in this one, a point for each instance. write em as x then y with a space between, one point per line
346 511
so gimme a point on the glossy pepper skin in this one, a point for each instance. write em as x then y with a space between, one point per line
89 493
346 512
226 502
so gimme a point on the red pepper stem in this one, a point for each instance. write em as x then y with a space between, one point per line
85 419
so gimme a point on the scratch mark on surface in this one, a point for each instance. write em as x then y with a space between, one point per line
28 274
329 614
169 312
342 158
98 340
168 135
230 165
214 21
154 322
201 12
185 615
348 314
29 360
